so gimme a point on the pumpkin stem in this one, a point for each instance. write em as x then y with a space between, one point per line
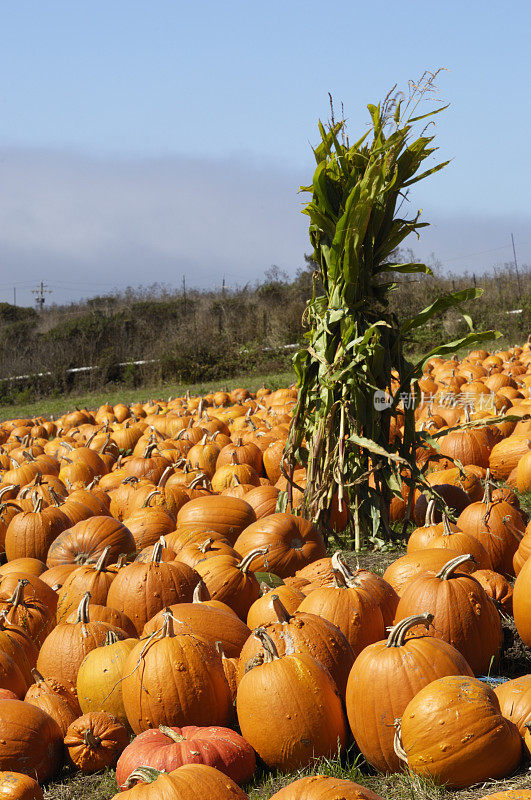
398 632
149 449
397 741
201 477
268 645
342 574
200 592
110 638
14 463
37 503
219 647
447 531
11 487
147 501
91 740
164 477
487 499
280 609
167 625
245 563
430 511
206 546
18 594
157 553
37 675
171 734
83 609
56 500
142 775
101 563
449 568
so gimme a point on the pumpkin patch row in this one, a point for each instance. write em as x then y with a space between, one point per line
151 589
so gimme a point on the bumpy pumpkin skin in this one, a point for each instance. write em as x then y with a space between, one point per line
189 782
304 633
175 679
141 590
167 749
465 616
453 731
322 787
30 741
385 677
289 710
16 786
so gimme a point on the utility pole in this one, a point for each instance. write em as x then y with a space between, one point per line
223 287
14 295
39 294
516 267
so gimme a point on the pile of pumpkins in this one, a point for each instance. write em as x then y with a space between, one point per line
158 615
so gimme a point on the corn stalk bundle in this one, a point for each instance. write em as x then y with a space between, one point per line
354 344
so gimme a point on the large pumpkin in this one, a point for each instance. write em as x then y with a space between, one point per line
142 589
297 692
386 676
167 748
464 615
30 740
292 542
453 732
174 678
99 679
226 515
86 541
303 633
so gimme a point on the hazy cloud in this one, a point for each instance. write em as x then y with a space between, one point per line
85 225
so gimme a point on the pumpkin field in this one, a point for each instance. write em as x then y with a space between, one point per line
313 591
165 631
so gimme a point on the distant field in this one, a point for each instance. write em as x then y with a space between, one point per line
55 406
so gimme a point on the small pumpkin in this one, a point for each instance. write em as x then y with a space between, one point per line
95 741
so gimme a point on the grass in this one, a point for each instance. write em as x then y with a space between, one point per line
53 407
399 786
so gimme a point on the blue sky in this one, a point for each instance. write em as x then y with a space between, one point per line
143 141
